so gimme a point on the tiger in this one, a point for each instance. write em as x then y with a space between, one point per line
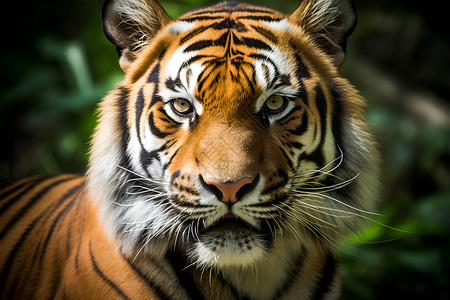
227 164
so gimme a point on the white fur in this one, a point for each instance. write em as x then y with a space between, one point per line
138 12
180 27
282 25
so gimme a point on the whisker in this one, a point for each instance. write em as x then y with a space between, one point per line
321 170
143 177
321 196
348 214
151 198
333 187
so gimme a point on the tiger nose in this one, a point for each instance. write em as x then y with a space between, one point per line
229 191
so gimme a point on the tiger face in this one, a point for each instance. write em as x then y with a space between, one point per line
232 135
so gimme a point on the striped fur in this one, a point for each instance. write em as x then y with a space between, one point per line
226 165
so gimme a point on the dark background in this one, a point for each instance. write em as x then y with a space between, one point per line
56 66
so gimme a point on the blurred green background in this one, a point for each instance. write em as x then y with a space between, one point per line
56 66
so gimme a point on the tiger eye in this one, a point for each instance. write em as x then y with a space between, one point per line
181 106
275 102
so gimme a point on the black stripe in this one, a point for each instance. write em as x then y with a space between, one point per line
140 103
231 288
324 282
81 231
222 40
32 272
193 33
250 81
296 145
99 272
274 187
30 204
157 289
293 272
338 103
15 250
230 8
280 174
322 107
301 71
303 126
228 23
178 263
285 120
170 160
155 130
254 43
172 124
202 18
27 186
282 80
77 255
196 58
174 84
302 94
260 18
207 71
199 45
188 190
64 291
267 34
317 155
147 158
58 217
153 77
11 187
266 60
174 176
122 106
287 158
26 274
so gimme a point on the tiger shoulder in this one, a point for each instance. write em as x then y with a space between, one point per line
226 164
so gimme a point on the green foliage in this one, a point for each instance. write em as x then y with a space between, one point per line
57 66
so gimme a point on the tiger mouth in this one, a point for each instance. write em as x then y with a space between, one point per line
232 234
232 223
229 216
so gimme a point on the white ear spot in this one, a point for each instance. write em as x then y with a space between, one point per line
282 25
180 27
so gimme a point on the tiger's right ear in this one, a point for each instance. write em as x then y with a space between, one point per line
131 24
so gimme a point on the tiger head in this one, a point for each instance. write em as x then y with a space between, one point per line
232 135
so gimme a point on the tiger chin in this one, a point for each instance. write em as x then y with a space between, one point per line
227 164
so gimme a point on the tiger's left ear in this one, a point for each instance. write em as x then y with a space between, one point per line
329 22
131 24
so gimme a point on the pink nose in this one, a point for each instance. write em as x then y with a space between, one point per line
229 189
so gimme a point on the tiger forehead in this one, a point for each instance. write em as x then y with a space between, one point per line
235 9
224 41
229 25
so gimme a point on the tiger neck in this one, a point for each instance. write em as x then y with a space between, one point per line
287 272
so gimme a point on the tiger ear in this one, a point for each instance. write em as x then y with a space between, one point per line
131 24
329 22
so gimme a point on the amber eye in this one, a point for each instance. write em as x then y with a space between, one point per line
181 106
275 103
